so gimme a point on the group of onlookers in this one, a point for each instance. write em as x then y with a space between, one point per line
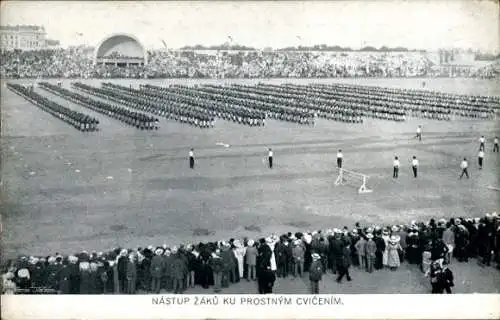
78 62
153 269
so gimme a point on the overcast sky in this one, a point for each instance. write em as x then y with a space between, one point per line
414 24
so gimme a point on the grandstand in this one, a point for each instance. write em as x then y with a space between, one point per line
123 56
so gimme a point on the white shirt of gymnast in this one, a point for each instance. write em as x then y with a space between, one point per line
414 162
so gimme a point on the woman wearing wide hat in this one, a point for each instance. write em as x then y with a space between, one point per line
393 248
385 236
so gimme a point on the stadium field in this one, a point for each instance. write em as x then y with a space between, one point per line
64 190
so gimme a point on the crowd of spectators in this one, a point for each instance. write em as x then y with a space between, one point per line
430 245
77 62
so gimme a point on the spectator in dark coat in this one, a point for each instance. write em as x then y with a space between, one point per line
192 266
315 273
484 241
131 274
217 265
353 239
179 270
379 241
110 276
441 277
266 279
234 274
52 270
343 263
336 247
37 273
439 250
63 278
497 246
205 275
102 276
371 251
462 243
122 271
168 273
281 254
74 275
145 265
156 270
84 277
263 268
323 252
94 279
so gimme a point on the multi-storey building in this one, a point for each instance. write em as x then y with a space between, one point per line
23 37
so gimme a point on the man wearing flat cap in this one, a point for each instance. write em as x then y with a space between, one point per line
315 273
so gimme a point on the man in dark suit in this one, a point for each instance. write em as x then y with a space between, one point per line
315 273
343 263
370 250
264 277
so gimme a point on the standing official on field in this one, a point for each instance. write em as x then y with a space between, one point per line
495 144
480 158
340 156
396 165
414 166
270 158
464 165
191 158
419 133
481 143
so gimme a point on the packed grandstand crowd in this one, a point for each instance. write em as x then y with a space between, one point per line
430 245
78 63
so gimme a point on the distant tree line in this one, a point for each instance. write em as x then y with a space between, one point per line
319 47
218 47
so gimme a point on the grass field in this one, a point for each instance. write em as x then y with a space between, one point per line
154 198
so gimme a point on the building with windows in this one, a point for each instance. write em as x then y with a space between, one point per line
23 37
